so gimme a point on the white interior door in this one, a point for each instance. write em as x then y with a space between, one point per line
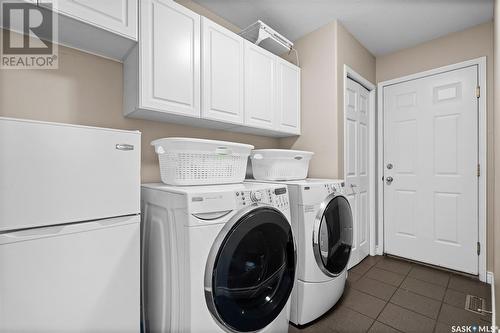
357 166
431 156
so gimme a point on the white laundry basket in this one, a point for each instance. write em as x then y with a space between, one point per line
187 161
280 164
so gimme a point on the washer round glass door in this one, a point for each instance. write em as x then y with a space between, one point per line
332 235
250 270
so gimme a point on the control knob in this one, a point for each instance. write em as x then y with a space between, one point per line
256 196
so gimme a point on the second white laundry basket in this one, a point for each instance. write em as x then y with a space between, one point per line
280 164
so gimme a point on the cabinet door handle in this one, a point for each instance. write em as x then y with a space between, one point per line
124 146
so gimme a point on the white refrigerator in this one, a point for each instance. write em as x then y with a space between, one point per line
69 228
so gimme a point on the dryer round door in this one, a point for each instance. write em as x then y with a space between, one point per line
250 270
332 235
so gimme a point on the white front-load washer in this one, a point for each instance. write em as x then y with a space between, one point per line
217 258
323 227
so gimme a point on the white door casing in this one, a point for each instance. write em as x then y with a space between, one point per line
357 115
431 139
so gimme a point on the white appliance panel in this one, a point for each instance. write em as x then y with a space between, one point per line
71 278
176 246
56 173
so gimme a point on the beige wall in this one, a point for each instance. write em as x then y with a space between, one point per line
497 157
318 95
195 7
459 46
87 90
456 47
323 54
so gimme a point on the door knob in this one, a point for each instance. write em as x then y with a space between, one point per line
388 180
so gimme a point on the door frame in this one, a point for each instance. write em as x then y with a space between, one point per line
482 141
350 73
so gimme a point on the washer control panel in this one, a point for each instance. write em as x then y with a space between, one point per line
277 197
334 188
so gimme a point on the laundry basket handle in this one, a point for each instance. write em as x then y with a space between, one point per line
159 150
257 157
223 151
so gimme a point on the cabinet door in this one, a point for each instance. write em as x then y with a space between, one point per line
222 59
169 44
119 16
288 97
260 87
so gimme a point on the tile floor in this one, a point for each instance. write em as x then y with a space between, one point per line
385 294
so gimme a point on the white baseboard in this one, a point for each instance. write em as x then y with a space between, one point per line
491 280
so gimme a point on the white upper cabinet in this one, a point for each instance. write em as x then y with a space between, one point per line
103 27
167 63
170 64
118 16
222 74
288 97
189 70
260 87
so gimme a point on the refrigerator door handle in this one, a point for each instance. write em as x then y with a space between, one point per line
31 234
58 230
117 220
35 232
124 146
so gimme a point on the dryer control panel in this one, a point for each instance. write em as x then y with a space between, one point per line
277 197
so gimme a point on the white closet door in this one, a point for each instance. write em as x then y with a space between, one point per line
431 156
357 166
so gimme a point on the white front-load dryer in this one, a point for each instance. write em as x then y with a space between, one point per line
217 258
323 226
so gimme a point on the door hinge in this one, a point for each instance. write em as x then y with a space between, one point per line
478 248
478 91
479 170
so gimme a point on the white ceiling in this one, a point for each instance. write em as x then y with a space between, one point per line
382 26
